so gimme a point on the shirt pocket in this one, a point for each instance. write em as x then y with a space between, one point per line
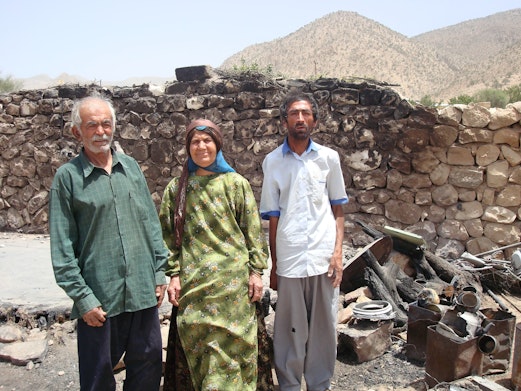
317 180
137 209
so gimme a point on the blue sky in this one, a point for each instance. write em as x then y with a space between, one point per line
113 40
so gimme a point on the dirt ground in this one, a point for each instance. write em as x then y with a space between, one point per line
59 369
392 371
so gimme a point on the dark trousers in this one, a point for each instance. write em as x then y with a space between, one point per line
135 334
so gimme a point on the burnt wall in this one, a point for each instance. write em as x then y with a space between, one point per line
451 175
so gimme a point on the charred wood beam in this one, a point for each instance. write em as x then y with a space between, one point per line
448 272
387 278
407 248
417 255
407 287
369 230
381 292
426 269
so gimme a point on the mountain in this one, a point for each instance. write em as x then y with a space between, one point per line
499 71
470 42
483 52
44 81
455 60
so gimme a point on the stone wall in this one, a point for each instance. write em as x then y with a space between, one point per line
451 175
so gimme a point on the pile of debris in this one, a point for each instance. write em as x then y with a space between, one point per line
494 268
394 284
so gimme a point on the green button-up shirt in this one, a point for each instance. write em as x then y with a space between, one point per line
106 243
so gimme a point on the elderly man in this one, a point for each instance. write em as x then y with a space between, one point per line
108 254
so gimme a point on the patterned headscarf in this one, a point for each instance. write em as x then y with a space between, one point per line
218 165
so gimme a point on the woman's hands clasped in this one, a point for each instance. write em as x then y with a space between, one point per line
255 289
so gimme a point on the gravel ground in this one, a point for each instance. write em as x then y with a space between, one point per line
59 370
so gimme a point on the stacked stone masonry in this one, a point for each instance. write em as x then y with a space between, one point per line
452 175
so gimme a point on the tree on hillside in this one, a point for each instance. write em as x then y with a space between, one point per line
497 98
8 84
514 93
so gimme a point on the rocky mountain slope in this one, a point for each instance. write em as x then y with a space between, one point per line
460 59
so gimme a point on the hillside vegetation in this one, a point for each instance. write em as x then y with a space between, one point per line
460 59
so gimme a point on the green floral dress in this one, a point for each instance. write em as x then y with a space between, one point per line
222 241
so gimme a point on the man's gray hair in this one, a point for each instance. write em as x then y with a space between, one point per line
75 112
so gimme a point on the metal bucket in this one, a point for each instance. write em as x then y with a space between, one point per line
417 321
449 360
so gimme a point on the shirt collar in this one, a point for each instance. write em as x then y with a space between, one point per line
286 148
88 167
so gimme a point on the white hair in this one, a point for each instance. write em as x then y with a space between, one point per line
76 108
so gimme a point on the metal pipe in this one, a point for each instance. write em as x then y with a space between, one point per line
497 300
487 344
498 249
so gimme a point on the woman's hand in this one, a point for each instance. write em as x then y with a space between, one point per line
255 287
174 290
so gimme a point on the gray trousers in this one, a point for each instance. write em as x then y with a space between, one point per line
305 337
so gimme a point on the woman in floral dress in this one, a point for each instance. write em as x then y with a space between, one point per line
212 228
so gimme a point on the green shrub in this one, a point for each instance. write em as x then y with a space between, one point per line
8 84
462 99
514 93
428 101
253 68
497 98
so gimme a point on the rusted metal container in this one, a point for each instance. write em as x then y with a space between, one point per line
504 324
419 319
516 364
449 360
